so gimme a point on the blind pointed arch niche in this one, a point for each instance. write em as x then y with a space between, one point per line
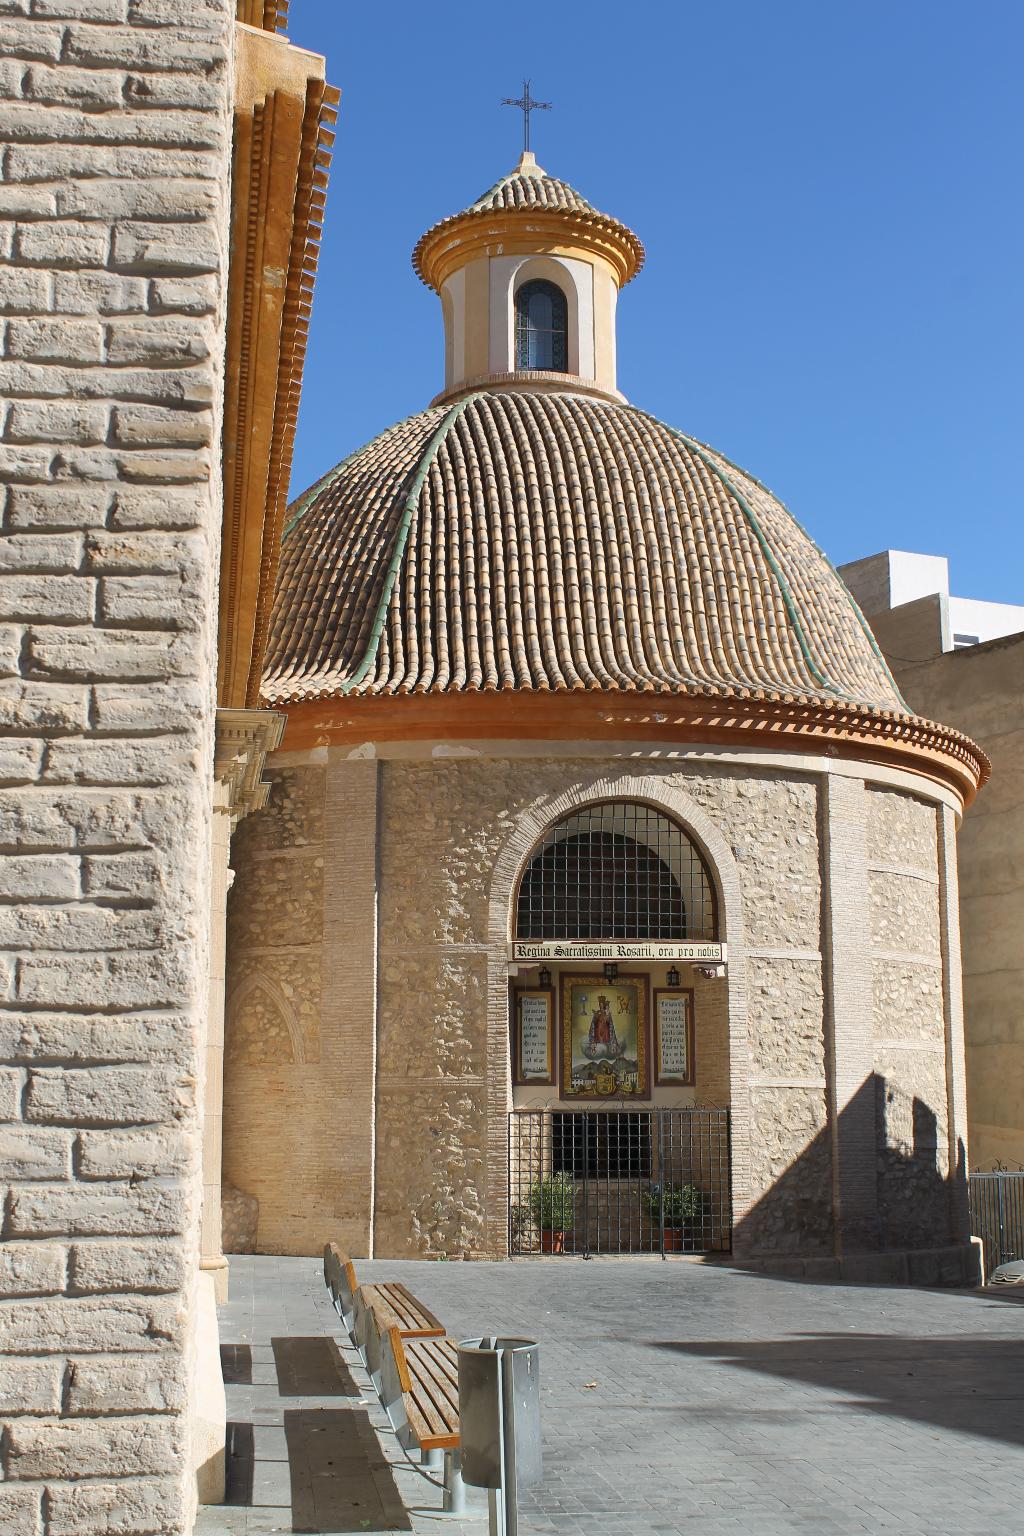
618 870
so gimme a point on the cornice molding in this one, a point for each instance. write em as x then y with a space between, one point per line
268 15
503 231
942 755
279 178
530 381
242 740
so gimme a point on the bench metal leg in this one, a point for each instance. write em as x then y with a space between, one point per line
454 1488
432 1459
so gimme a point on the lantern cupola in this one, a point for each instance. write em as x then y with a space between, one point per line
528 277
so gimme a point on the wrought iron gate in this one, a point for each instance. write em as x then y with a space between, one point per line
997 1215
619 1181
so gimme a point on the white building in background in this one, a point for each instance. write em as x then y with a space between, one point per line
888 580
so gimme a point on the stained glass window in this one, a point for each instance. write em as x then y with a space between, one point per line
542 327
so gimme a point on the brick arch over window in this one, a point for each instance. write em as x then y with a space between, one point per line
510 865
618 869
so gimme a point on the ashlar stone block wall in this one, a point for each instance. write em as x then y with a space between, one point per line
113 225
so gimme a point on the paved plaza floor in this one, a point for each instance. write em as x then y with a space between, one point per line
677 1398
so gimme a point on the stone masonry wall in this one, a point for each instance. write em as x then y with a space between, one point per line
771 824
300 1043
442 825
908 1021
280 1107
375 1121
113 218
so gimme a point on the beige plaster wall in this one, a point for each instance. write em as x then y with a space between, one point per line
479 310
980 690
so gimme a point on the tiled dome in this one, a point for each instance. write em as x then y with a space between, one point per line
529 190
525 541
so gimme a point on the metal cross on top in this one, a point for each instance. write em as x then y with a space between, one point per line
526 105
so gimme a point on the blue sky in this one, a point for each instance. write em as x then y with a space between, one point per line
829 194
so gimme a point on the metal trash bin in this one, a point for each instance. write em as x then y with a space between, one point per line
499 1420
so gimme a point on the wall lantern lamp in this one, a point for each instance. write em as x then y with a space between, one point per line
611 971
543 977
673 976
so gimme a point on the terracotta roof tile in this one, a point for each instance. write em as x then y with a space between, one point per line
528 189
558 541
532 189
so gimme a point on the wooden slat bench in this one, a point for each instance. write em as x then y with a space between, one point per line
413 1366
419 1390
395 1301
379 1308
340 1280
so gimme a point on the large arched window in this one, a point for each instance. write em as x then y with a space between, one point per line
542 327
619 870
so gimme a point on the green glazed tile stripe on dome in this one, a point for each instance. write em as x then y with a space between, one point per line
301 505
370 597
306 500
391 576
858 611
776 569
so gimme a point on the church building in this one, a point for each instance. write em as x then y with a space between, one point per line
606 896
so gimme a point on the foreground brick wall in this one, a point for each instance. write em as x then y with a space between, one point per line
113 218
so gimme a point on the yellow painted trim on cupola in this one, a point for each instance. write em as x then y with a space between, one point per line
510 231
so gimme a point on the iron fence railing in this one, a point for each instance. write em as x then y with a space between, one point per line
619 1181
997 1215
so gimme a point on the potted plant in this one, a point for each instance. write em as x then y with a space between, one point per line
552 1202
684 1206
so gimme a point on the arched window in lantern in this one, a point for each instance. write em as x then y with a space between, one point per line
542 327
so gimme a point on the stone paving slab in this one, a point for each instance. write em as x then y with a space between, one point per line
679 1399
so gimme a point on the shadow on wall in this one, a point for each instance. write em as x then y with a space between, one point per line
911 1203
239 1220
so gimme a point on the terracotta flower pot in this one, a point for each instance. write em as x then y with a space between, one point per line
551 1242
677 1239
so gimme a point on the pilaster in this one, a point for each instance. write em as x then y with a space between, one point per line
849 1053
243 739
953 1020
349 1014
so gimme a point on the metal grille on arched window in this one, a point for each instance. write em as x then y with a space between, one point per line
616 871
542 327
